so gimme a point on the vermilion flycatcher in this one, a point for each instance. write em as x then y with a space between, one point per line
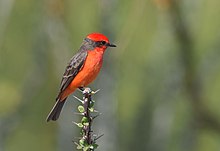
82 69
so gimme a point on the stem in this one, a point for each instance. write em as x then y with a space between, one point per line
87 128
87 141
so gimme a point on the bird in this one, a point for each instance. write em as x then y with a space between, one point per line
81 70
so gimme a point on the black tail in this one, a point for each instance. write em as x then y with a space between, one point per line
55 112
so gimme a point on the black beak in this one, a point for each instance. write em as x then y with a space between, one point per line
111 45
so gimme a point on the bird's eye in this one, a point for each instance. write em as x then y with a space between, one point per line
103 42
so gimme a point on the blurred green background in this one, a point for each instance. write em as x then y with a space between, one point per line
160 88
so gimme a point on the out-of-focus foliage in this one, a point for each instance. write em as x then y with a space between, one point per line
159 87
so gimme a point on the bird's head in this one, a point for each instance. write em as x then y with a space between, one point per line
98 41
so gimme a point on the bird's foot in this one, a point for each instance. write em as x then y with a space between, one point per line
87 90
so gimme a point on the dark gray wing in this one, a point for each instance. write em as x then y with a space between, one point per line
75 65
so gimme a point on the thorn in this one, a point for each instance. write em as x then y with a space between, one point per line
76 138
75 123
96 115
98 137
94 92
78 99
75 143
96 111
78 113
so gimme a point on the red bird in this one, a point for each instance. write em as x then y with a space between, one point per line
82 69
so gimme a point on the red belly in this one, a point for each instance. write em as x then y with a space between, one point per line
87 74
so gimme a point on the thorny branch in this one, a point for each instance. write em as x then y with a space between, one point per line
87 141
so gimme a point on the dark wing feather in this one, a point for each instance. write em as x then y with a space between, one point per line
75 65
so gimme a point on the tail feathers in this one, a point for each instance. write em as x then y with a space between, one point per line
55 112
